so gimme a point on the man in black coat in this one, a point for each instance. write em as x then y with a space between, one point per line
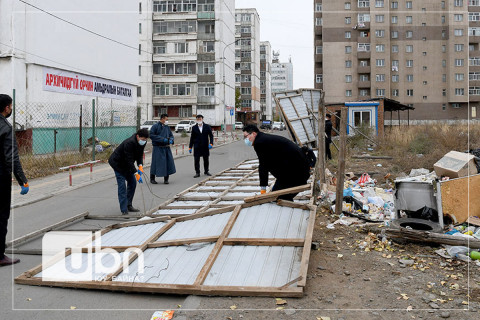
201 140
328 136
9 161
123 161
279 156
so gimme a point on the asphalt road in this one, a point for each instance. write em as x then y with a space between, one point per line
28 302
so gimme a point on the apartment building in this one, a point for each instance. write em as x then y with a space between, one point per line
421 53
282 75
265 81
247 59
187 56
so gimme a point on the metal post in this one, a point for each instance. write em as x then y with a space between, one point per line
139 115
80 130
93 129
70 175
91 170
55 140
341 162
13 110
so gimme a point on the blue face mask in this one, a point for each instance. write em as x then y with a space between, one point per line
248 143
142 142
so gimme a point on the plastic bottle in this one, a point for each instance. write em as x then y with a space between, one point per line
454 251
475 255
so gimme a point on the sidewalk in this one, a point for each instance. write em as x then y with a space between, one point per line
47 187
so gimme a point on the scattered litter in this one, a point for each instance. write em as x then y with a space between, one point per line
233 307
73 307
162 315
280 302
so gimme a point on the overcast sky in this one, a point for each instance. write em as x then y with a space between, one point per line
288 25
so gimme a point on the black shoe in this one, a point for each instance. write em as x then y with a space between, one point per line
197 175
124 213
132 209
166 182
153 182
208 174
6 261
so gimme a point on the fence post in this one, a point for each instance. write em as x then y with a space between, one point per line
93 129
80 128
139 115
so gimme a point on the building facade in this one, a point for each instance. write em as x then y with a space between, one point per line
188 65
421 53
265 81
282 75
247 59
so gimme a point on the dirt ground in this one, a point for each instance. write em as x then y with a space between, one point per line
347 281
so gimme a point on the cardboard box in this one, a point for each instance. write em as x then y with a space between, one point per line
455 165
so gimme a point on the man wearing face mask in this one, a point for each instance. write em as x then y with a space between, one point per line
279 156
9 161
123 161
201 140
162 158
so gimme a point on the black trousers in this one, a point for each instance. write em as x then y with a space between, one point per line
280 185
5 201
197 163
328 154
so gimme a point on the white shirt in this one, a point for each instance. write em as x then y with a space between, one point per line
200 128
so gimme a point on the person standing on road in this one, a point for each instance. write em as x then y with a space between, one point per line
9 162
123 161
162 158
199 140
328 136
279 156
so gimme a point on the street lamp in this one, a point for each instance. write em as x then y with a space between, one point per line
225 85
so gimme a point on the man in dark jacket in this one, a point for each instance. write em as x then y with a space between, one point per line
199 140
279 156
9 160
328 136
122 161
162 158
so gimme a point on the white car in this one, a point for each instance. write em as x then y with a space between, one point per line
148 124
278 126
238 125
185 125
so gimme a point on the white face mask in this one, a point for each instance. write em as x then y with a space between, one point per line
142 142
200 122
166 122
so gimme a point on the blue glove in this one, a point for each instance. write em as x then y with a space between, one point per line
190 150
210 146
165 140
25 188
171 141
138 177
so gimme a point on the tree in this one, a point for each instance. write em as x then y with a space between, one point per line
238 102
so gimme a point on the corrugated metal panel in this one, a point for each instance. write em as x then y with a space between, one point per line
169 265
270 220
230 202
204 195
129 236
241 195
82 267
223 183
175 212
189 203
225 178
255 266
248 166
201 227
201 189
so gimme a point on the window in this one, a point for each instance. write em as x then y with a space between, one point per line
475 61
394 34
474 31
175 68
459 91
140 8
170 26
395 92
361 118
458 17
318 22
458 47
348 63
246 90
348 5
181 89
318 7
379 18
458 62
444 78
408 34
474 16
471 47
443 19
139 48
444 92
348 49
363 47
206 68
394 48
409 77
175 6
380 48
409 48
319 50
409 63
443 4
444 107
348 93
380 77
245 29
458 32
379 3
162 89
380 93
474 76
408 5
363 3
424 53
444 34
363 77
394 19
424 97
364 34
206 89
474 3
140 28
364 92
139 70
458 3
380 33
181 47
394 4
408 19
409 92
139 91
364 63
363 17
459 76
444 48
395 78
424 68
208 46
319 78
395 64
474 91
210 28
348 78
348 34
159 47
205 107
444 63
456 105
380 62
348 20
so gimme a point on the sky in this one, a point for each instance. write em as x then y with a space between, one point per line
288 26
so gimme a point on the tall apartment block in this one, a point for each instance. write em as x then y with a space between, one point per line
265 80
421 53
187 56
282 75
247 58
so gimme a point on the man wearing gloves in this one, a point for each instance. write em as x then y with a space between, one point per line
9 161
279 156
162 158
122 161
201 140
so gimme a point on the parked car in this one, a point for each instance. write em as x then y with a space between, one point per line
185 125
148 124
278 126
266 125
238 125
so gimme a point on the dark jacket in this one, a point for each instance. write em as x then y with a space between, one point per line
200 140
328 131
123 158
282 158
9 155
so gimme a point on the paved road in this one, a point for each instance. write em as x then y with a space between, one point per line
97 198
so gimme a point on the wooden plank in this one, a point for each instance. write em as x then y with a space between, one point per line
140 222
264 242
202 275
460 198
113 217
291 204
288 284
180 242
430 237
372 157
474 221
275 194
341 162
206 213
320 166
32 252
33 235
307 248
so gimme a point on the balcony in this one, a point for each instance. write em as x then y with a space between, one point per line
319 58
362 26
318 30
363 54
206 100
206 15
363 84
206 36
206 78
363 69
474 98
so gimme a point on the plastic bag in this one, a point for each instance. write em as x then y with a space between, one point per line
425 213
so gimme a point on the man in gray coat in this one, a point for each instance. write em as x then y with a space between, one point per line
162 158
